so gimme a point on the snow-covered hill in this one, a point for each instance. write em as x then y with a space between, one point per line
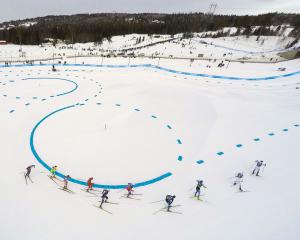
251 48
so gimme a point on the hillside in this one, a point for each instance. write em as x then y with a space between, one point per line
97 27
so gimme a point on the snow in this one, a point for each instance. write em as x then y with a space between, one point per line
117 131
28 24
232 48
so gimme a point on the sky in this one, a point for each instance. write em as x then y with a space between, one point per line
20 9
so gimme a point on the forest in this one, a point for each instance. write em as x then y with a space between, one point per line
97 27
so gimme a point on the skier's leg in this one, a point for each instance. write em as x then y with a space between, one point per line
198 194
101 203
30 179
168 208
257 171
25 178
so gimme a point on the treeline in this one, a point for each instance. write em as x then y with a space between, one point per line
97 27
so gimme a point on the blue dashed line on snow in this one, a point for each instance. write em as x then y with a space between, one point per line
200 161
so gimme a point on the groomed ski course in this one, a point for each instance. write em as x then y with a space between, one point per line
160 127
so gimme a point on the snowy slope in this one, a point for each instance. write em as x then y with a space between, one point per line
118 132
235 47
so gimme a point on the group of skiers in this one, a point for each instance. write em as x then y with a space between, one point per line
259 165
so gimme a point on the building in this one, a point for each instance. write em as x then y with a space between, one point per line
2 42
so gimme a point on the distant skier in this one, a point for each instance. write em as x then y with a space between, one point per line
104 197
53 171
258 166
28 171
53 68
66 181
90 184
129 189
238 180
169 201
198 188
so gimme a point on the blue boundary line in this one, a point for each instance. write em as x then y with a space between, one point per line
163 69
73 180
62 79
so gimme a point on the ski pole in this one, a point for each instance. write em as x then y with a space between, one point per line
262 171
157 201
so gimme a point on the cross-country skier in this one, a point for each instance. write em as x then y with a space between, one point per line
129 188
238 180
66 181
104 197
28 171
90 184
258 165
198 187
169 201
53 171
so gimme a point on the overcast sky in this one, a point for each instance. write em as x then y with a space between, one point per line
20 9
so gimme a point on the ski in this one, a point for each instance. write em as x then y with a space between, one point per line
132 194
112 203
165 208
157 201
95 190
66 190
159 210
53 180
196 198
103 209
130 197
94 194
109 202
243 191
172 212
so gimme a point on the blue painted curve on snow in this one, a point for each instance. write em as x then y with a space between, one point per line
61 79
61 175
166 70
